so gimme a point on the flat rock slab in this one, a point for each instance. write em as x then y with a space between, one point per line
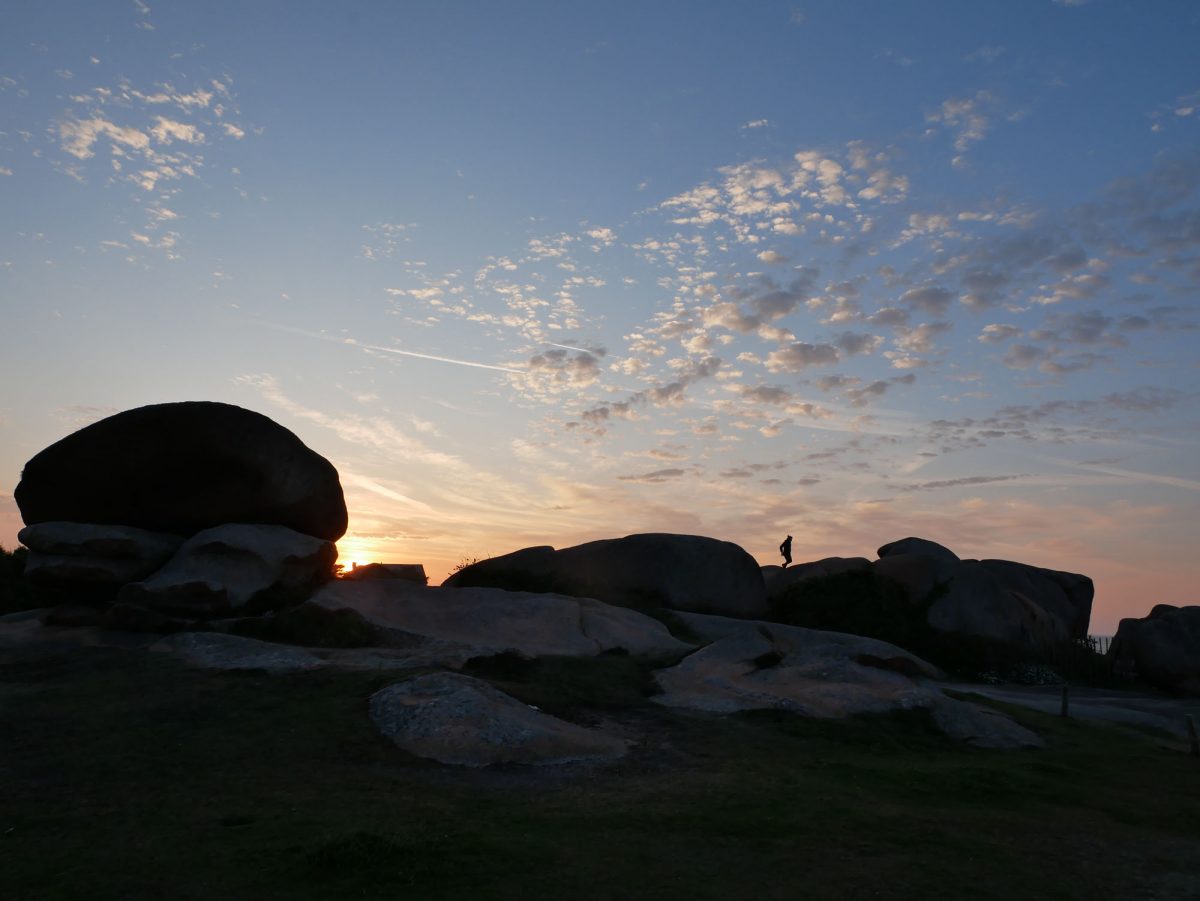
492 621
797 639
73 552
212 650
218 651
455 719
828 675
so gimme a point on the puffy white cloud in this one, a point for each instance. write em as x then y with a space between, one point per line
964 116
995 333
563 367
78 136
800 355
167 130
853 343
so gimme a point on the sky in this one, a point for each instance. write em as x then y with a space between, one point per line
547 272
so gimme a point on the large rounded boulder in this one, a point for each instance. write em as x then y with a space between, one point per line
679 572
182 468
1164 647
996 599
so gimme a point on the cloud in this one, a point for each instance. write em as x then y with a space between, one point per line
658 475
763 394
167 130
604 237
79 135
965 482
800 355
1022 356
932 299
995 333
919 339
563 367
966 118
851 343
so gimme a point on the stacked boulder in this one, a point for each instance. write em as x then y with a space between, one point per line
195 509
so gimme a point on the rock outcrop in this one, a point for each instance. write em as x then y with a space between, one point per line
1163 646
827 675
994 599
235 569
472 622
778 579
182 468
72 561
455 719
679 572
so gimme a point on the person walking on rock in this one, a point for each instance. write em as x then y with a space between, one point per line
786 550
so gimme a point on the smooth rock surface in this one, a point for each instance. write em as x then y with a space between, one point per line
236 569
212 650
455 719
922 546
67 555
680 572
995 599
217 651
1066 597
829 675
778 579
792 639
182 468
981 727
984 599
492 621
1164 646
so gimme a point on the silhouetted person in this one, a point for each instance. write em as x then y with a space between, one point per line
786 550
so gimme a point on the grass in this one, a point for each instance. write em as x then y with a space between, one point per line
127 776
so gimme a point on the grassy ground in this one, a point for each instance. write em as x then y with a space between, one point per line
124 775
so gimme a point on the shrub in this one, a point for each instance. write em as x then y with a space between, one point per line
15 591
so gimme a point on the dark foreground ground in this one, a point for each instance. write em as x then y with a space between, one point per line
124 775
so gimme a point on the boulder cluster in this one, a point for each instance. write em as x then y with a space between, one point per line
210 530
991 599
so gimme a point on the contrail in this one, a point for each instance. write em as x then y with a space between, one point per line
1174 481
419 356
353 342
583 350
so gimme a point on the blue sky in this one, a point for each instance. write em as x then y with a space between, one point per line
545 272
